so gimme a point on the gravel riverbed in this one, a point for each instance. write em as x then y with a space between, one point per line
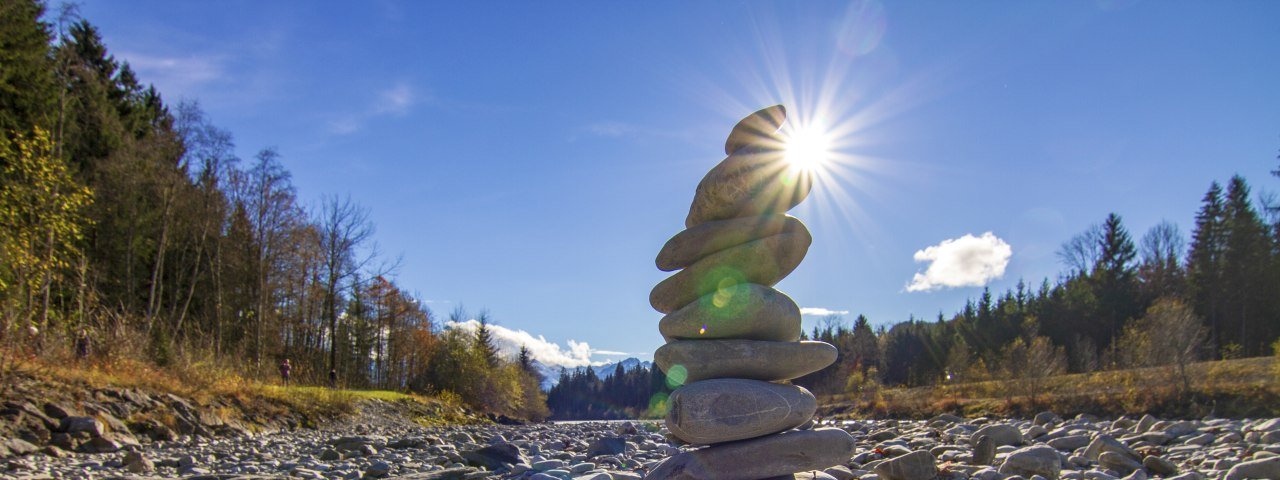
374 446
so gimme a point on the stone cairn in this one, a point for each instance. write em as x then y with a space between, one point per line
732 339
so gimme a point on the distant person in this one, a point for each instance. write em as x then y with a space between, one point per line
284 371
333 378
33 341
82 345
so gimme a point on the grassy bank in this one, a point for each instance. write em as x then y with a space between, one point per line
1247 387
205 384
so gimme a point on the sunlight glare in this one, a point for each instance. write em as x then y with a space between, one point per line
808 148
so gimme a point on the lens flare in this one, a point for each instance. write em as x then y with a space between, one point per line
676 376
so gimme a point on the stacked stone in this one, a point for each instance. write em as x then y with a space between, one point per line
732 339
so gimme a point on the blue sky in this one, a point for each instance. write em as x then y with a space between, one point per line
532 157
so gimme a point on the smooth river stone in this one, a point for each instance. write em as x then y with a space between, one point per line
756 129
773 455
763 262
697 242
728 409
749 182
746 311
752 359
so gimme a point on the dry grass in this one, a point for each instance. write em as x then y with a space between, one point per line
203 383
1236 388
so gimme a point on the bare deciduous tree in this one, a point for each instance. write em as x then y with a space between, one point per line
344 229
1083 251
1169 334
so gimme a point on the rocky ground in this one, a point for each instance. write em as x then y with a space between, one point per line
379 444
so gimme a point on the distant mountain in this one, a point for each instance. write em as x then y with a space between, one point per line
551 373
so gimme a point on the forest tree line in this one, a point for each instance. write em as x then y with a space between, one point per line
581 394
1159 301
129 224
1121 304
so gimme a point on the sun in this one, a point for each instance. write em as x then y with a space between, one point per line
808 148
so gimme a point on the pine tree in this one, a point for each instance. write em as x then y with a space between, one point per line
525 359
1114 279
1246 280
484 340
27 86
1204 261
866 350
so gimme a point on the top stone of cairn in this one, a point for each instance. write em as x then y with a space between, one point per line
755 179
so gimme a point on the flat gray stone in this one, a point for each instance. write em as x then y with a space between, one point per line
984 451
728 409
1001 434
745 311
495 456
755 129
773 455
698 241
91 425
763 262
1106 443
751 359
1159 466
810 475
1040 460
1069 443
1118 462
1267 468
917 465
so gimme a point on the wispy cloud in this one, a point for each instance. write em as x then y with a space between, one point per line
611 129
623 130
508 342
821 312
967 261
395 100
609 352
177 76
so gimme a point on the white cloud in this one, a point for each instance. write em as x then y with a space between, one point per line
821 312
508 341
967 261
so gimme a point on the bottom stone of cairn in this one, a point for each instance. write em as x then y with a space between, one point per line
782 454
